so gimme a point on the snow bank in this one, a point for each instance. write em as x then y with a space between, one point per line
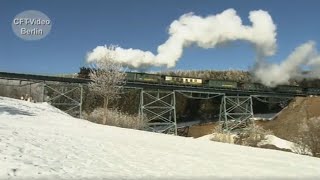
282 144
206 137
272 140
39 141
278 142
219 137
264 117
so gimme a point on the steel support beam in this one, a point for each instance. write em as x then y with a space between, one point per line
61 97
272 99
283 101
199 94
158 107
235 112
66 95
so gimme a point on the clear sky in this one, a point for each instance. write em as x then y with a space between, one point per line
80 26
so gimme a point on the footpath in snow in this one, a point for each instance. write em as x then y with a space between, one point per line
41 142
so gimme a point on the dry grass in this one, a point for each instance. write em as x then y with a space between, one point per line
310 138
252 135
116 118
201 130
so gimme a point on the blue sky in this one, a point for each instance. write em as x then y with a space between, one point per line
80 26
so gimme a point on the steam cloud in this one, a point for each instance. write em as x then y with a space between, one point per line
211 31
305 55
206 32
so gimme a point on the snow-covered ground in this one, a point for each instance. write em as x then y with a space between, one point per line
278 142
268 116
269 140
39 141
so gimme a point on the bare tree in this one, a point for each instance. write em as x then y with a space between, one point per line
308 139
311 136
108 80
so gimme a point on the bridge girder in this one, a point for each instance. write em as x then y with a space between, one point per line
59 93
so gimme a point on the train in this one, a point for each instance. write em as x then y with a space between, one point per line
218 84
210 83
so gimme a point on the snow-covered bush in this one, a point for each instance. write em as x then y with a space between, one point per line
220 135
301 147
249 136
252 135
308 142
223 137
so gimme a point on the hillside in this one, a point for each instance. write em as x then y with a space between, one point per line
40 141
299 121
293 119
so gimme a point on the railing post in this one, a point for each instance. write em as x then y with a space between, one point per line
80 104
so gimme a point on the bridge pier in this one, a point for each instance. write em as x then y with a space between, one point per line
235 112
158 107
67 97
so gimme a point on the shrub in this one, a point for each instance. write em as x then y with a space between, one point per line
308 141
249 136
252 135
220 135
300 146
116 118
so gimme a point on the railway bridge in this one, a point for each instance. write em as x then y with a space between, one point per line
157 101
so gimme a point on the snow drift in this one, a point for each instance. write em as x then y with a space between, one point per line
38 141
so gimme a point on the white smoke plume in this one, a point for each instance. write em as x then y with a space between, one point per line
206 32
303 56
213 30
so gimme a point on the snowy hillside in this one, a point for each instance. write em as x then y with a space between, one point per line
37 140
269 140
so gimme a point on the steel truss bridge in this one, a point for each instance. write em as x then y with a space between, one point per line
54 90
157 101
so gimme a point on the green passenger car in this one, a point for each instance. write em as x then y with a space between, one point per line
130 76
183 80
286 88
222 84
142 77
254 87
148 77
